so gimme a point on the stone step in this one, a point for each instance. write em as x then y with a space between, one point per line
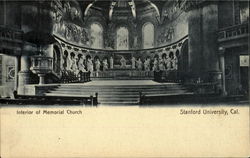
118 99
119 86
120 89
117 93
66 95
119 103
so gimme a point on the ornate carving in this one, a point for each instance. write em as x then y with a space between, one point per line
56 10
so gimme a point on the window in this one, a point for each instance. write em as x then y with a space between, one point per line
148 35
122 42
96 32
244 11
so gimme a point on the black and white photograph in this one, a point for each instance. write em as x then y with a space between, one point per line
124 52
146 54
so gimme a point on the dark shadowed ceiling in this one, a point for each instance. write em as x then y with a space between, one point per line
121 5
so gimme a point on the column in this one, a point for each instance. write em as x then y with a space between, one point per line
17 64
222 68
48 52
211 69
203 45
195 63
41 79
24 74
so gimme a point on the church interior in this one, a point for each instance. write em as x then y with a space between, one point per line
129 52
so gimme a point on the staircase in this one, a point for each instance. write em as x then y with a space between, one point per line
122 94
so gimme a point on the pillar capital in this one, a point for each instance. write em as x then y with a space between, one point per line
221 50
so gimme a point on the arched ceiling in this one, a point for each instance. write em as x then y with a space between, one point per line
131 7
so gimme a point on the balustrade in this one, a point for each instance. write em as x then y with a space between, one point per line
10 34
233 31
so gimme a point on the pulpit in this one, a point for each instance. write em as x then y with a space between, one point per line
41 65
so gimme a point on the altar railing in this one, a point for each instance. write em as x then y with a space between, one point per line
71 77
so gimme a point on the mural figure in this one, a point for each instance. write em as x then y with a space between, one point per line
122 38
170 33
148 35
96 33
166 35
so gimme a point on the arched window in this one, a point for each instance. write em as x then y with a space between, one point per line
122 42
148 35
96 32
